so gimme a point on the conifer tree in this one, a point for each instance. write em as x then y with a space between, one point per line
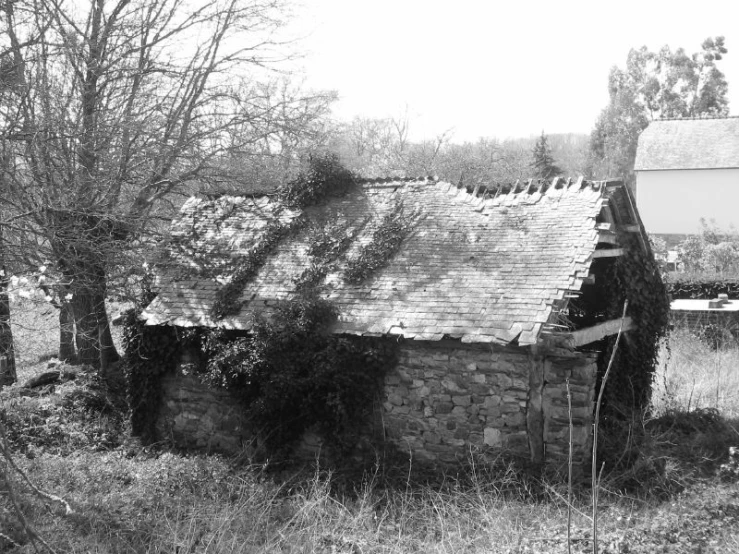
544 165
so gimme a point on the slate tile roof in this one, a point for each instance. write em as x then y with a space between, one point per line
477 267
689 144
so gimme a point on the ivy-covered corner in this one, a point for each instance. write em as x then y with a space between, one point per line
150 353
636 275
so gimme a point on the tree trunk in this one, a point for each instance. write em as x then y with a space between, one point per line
66 333
92 329
7 351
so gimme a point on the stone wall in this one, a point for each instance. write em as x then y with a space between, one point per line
442 401
195 416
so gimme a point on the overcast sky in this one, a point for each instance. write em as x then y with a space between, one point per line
493 68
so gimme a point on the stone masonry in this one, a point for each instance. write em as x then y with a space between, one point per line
193 415
443 401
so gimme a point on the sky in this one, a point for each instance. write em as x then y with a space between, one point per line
489 68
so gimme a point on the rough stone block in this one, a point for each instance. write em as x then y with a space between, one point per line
492 437
443 407
514 419
492 401
462 400
451 385
392 380
431 438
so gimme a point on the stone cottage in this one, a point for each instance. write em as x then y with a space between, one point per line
491 298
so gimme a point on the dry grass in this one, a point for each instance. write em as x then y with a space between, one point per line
693 375
197 504
132 500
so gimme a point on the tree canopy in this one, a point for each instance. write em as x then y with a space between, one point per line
664 84
109 107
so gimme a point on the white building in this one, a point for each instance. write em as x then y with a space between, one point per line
688 169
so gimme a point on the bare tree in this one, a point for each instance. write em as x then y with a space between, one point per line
116 105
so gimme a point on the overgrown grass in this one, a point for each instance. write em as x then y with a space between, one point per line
692 374
128 499
198 504
170 503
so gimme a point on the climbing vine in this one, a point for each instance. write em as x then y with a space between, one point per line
151 351
386 241
327 245
247 266
637 275
325 177
293 375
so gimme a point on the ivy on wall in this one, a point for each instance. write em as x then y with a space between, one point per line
634 276
150 352
289 371
293 375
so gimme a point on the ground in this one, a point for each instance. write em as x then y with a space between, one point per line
72 441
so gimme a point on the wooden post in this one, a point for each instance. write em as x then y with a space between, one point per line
535 409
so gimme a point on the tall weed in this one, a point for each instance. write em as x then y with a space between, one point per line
692 374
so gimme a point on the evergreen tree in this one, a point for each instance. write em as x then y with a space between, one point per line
543 165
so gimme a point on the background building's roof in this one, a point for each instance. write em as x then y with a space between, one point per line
476 268
689 144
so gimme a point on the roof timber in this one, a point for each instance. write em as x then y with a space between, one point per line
601 330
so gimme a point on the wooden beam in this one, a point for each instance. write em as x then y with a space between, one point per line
597 332
606 213
608 253
629 228
607 238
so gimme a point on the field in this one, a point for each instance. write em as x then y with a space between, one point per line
73 443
